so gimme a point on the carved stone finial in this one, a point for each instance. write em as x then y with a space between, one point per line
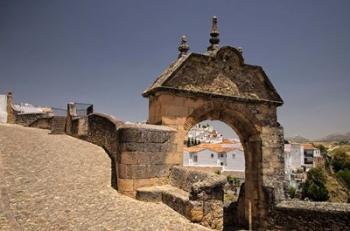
183 47
214 35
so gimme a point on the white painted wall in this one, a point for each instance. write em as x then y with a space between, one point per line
231 161
235 161
3 109
294 156
204 158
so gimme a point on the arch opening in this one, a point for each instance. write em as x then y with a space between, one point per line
247 129
213 146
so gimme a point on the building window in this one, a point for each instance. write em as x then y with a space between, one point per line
233 156
222 163
212 155
195 158
221 155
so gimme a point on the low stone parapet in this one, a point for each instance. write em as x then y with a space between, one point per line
102 131
196 195
146 156
306 215
43 123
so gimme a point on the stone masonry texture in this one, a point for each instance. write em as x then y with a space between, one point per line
57 182
220 86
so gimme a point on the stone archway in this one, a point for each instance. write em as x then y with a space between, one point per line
262 142
218 85
248 129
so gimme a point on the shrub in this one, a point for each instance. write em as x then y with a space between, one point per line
340 160
314 186
292 191
344 176
231 179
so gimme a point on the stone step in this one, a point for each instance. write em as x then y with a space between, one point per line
58 125
175 198
156 193
151 194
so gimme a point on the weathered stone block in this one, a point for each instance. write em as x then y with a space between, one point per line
125 185
195 211
147 147
149 158
139 183
143 171
146 134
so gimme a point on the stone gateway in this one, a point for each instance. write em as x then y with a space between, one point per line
218 85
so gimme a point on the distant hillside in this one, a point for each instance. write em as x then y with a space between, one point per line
298 139
337 137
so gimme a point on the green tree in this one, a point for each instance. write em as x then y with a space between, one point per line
340 160
314 186
323 149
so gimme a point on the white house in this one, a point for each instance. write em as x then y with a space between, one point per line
311 155
299 158
225 156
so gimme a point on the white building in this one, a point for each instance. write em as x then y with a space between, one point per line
311 156
299 158
28 108
3 109
204 134
226 156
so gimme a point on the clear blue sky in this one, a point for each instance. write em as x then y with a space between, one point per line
107 52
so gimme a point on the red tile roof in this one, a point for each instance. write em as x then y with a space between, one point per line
220 147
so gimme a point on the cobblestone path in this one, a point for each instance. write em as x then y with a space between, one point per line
56 182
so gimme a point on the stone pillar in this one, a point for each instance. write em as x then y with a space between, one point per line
273 174
11 116
146 156
71 112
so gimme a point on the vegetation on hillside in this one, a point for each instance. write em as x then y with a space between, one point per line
344 175
340 160
336 172
314 187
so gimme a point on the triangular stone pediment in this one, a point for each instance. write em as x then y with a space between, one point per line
222 74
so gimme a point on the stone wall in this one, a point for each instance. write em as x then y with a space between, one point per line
306 215
195 194
206 195
79 127
26 119
141 155
43 123
102 131
146 156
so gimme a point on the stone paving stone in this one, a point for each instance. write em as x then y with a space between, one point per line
57 182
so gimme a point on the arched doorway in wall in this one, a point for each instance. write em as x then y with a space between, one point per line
247 128
213 146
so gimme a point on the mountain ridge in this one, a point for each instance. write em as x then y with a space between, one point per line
333 137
